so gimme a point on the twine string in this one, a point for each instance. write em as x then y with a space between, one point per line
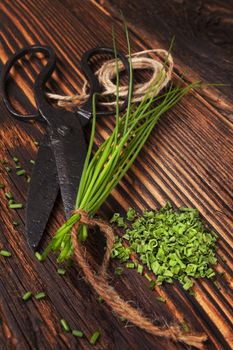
107 72
98 280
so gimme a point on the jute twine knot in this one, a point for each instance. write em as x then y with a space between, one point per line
98 280
107 72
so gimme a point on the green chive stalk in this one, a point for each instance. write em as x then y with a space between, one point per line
106 167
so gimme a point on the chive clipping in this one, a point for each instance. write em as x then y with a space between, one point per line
27 296
38 256
172 244
8 195
65 325
95 337
15 205
161 299
5 253
130 265
148 277
184 327
61 272
15 159
131 214
118 220
21 172
77 333
40 295
8 169
140 269
217 285
122 319
152 285
15 223
118 271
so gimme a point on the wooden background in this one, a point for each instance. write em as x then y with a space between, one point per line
188 160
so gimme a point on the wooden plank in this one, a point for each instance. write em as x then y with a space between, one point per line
188 160
203 38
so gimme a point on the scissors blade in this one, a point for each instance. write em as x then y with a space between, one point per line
69 146
42 193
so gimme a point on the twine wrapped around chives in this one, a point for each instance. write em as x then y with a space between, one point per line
98 280
107 72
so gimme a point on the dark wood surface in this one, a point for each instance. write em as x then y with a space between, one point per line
187 160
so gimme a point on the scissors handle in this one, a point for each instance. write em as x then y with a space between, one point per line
41 79
46 72
95 87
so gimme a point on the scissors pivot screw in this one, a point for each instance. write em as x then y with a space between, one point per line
63 130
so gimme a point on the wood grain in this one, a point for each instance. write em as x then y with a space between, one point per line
187 160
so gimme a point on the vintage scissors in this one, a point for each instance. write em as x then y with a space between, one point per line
62 152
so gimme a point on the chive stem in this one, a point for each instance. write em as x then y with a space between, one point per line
39 256
27 296
95 337
40 295
61 272
77 333
21 172
16 206
65 325
5 253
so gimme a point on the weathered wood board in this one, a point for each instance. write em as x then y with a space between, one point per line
188 160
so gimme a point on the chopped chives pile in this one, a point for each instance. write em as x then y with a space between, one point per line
172 244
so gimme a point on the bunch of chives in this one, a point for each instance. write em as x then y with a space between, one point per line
103 171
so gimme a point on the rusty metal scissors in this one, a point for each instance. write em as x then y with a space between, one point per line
62 152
